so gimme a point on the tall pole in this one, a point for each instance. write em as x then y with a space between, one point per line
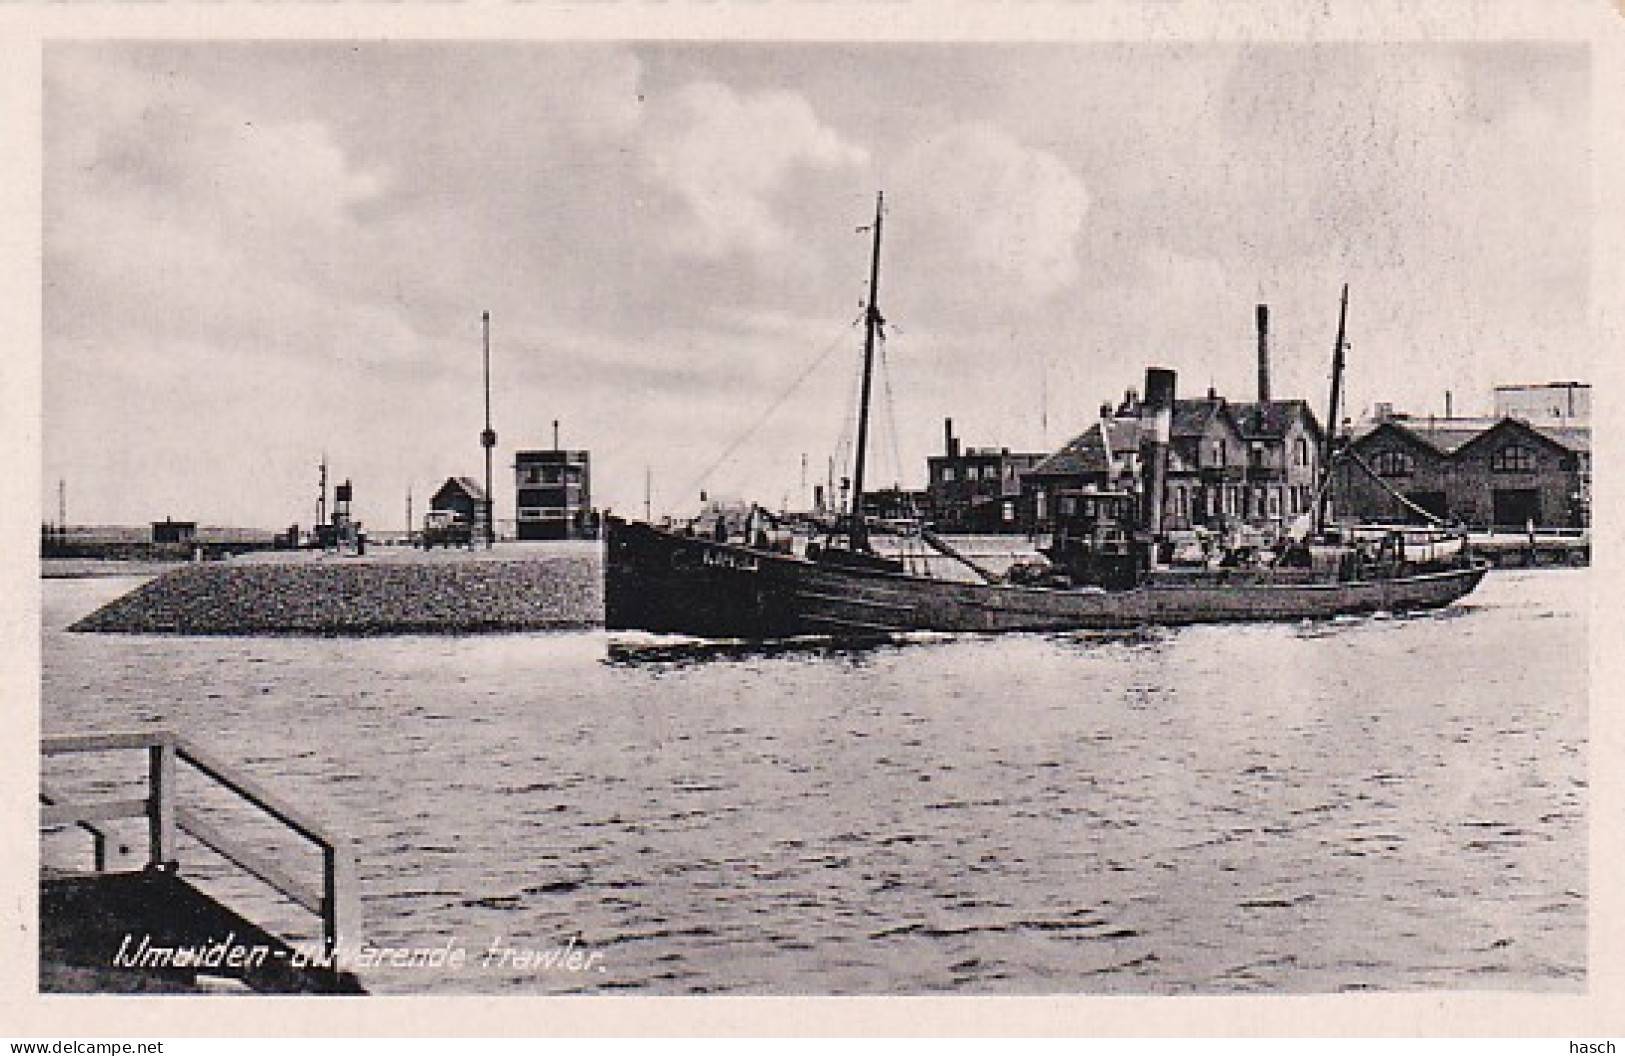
409 513
488 440
1333 411
859 534
62 504
648 494
321 503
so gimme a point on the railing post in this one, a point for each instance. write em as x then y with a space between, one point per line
161 803
341 903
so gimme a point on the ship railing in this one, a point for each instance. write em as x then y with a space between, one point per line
335 901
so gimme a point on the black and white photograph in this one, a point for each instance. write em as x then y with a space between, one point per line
926 514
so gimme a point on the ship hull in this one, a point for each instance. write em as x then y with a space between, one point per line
664 582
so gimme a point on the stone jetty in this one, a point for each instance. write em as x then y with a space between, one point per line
402 593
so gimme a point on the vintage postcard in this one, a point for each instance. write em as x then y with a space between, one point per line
800 501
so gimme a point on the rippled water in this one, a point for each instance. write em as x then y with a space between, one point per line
1390 804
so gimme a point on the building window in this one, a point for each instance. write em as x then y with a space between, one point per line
1300 452
1218 453
1394 464
947 474
1514 458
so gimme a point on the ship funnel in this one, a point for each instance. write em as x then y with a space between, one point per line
1156 427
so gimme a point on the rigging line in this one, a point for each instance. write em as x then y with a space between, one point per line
891 412
1407 503
783 398
845 438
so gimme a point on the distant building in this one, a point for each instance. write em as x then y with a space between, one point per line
462 496
1504 473
1105 457
889 504
976 489
1228 463
1555 403
170 531
1284 443
554 494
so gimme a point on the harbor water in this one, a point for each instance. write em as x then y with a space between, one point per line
1392 804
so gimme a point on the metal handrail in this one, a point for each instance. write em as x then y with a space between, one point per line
337 902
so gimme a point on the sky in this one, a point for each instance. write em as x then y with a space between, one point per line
260 254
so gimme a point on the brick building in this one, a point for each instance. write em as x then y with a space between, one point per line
976 489
1486 473
1228 463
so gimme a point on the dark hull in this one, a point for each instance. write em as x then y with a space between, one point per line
663 582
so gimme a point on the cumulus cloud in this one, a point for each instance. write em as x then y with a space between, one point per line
1008 210
727 156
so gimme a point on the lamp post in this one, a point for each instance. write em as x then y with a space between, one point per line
488 439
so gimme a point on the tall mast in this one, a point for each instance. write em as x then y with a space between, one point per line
859 533
1332 413
488 438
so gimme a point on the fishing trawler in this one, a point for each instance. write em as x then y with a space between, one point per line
1108 565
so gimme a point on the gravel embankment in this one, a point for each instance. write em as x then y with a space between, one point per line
358 598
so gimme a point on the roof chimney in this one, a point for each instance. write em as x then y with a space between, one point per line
1263 353
1156 421
950 443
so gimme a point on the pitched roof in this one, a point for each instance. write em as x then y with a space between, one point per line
467 485
1574 437
1270 419
1192 417
1449 435
1085 453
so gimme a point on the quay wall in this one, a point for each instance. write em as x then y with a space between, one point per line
455 593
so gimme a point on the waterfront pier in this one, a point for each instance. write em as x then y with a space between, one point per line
141 925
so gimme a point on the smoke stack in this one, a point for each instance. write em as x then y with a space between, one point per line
1156 427
1447 404
950 444
1263 353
